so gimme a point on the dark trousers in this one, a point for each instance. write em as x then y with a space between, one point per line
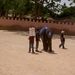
62 44
31 46
37 45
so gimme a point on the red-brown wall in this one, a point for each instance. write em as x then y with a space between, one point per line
15 24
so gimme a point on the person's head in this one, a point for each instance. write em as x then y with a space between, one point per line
37 29
46 27
62 32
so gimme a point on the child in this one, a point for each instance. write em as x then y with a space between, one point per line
37 39
62 39
31 44
31 39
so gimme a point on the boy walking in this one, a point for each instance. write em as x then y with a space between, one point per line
62 39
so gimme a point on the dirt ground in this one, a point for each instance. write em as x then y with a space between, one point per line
15 59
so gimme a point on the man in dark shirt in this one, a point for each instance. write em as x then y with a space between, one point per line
37 39
62 39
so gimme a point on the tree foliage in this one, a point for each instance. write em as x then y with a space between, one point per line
51 8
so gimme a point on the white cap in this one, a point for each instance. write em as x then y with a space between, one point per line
62 31
46 27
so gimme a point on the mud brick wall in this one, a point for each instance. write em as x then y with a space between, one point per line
24 24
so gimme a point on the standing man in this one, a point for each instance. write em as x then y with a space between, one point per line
62 39
31 39
37 39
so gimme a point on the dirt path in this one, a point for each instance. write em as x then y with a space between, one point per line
15 59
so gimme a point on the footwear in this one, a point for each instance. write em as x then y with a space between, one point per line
33 52
29 52
37 51
59 46
64 48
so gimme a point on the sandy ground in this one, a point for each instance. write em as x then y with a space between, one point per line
15 59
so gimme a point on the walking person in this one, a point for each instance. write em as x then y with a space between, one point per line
37 39
62 39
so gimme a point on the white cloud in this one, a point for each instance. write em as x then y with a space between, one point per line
67 2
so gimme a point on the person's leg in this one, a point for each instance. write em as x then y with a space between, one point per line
29 46
46 46
60 44
32 46
50 45
63 45
36 45
42 41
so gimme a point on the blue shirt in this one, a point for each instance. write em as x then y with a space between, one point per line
41 31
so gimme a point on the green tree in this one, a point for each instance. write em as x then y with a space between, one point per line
51 8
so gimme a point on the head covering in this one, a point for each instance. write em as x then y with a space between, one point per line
46 27
62 31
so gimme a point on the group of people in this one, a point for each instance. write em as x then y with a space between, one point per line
38 39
